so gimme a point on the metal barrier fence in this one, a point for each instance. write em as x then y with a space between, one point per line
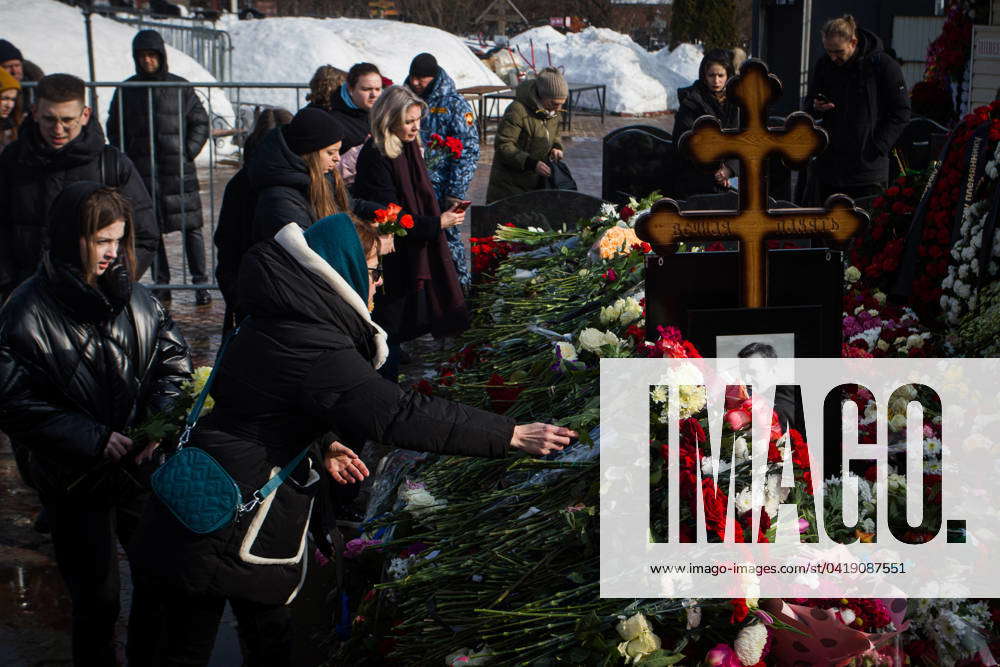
211 48
223 150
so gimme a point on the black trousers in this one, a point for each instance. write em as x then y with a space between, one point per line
194 249
86 545
191 624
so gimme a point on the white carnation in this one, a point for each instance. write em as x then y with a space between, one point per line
659 394
591 339
566 350
750 642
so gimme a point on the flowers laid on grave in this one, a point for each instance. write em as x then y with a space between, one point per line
508 568
876 253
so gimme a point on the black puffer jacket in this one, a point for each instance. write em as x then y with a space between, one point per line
355 122
280 180
697 101
78 362
301 366
871 109
32 174
177 113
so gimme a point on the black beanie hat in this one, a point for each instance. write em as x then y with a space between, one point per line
9 52
423 65
310 130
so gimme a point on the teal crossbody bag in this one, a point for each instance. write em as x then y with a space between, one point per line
196 488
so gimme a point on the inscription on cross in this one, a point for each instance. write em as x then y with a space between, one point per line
754 89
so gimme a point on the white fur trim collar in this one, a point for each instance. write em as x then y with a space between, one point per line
291 238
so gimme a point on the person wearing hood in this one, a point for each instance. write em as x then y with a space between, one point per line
707 97
301 369
60 143
448 115
294 175
350 105
858 91
11 113
85 355
180 128
528 136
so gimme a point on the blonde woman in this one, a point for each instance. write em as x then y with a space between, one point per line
294 174
421 293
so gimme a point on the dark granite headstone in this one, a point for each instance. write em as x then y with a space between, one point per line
914 144
638 160
548 209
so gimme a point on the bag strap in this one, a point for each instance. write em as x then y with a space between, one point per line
192 419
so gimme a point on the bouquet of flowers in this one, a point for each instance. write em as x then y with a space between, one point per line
442 148
390 224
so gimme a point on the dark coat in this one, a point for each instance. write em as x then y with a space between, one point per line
354 122
177 115
697 101
78 362
871 109
279 179
449 115
300 367
398 307
233 237
32 174
525 136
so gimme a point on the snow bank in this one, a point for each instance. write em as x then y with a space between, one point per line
52 35
290 49
637 81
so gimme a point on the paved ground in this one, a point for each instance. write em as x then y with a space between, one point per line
34 609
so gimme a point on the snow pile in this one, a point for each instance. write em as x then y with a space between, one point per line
684 60
52 35
637 81
290 49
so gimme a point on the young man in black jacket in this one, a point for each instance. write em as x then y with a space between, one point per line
85 355
180 128
858 91
59 144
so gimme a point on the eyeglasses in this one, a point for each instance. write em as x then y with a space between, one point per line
67 122
375 274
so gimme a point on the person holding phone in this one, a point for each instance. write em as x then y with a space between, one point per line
858 91
422 293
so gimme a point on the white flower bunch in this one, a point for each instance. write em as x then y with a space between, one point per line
626 311
958 297
594 340
417 500
638 638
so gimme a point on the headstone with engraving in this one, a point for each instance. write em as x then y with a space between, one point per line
637 161
755 221
547 209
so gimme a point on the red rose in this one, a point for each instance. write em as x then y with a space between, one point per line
893 191
406 222
737 419
740 610
626 213
908 192
878 202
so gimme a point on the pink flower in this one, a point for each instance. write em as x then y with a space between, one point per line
803 525
737 419
722 656
354 548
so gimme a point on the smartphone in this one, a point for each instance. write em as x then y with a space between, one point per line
461 206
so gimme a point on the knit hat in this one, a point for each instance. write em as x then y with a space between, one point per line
7 82
550 85
9 52
423 65
310 130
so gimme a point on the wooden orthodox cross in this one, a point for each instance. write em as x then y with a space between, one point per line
753 90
